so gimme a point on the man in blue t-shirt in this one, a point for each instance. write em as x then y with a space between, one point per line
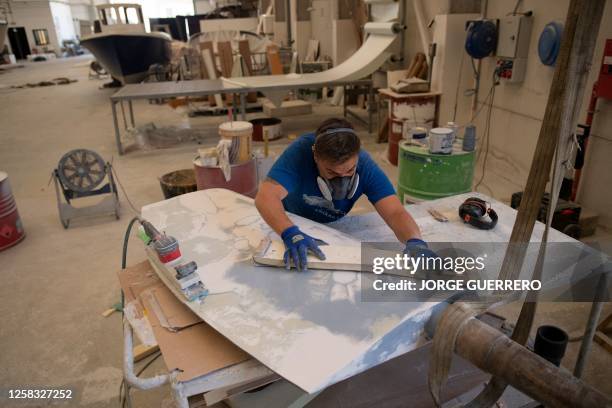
320 176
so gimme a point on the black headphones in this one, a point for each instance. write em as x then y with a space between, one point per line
473 210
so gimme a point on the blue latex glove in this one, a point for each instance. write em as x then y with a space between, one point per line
297 245
417 247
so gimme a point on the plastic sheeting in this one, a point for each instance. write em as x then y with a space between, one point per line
370 56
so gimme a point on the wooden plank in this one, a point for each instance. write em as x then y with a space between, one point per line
245 51
337 257
208 45
141 351
603 340
210 67
226 58
606 324
312 51
274 61
218 395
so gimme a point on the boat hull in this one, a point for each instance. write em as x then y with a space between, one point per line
127 57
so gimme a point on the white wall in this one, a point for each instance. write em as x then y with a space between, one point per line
518 109
82 13
62 18
34 14
596 184
321 25
203 6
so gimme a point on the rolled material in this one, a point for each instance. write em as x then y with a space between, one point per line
382 28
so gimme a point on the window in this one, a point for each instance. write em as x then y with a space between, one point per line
132 15
41 36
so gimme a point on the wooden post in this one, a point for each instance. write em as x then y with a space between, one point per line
495 353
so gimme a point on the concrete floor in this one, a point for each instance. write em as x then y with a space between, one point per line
56 283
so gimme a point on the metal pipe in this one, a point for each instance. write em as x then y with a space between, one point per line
495 353
591 327
420 18
288 16
116 126
402 20
128 365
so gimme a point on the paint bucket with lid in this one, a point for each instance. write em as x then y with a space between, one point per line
417 135
441 140
243 178
11 228
266 128
239 132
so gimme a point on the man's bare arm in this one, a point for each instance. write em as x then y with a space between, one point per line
269 204
397 218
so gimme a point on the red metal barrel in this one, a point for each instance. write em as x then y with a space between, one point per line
11 229
271 126
243 179
396 127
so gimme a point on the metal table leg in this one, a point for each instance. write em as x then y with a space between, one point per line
370 107
131 113
116 125
591 327
243 106
344 100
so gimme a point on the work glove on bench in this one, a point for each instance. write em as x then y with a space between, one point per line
297 246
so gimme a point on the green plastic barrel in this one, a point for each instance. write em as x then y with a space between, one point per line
426 176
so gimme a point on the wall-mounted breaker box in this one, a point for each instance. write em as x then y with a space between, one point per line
513 47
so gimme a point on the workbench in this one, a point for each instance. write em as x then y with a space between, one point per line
205 87
270 301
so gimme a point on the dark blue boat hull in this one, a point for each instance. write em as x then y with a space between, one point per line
128 57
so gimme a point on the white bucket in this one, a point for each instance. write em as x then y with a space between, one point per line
441 140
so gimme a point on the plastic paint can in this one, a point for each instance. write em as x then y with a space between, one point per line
441 140
417 134
454 127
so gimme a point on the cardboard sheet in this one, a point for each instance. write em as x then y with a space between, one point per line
186 342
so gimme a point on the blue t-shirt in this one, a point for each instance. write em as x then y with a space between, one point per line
297 171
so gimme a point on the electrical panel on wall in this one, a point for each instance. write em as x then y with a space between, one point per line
513 47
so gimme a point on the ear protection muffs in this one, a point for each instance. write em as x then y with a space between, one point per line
326 188
473 210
